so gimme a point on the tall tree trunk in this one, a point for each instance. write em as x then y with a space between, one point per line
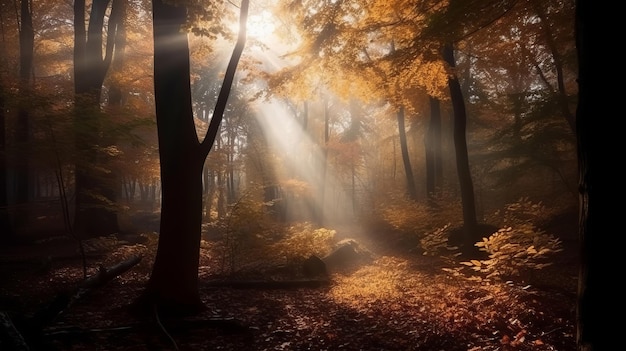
22 179
432 149
116 97
94 216
404 148
460 147
595 327
231 165
5 222
173 284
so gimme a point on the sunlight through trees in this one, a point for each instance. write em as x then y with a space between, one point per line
246 126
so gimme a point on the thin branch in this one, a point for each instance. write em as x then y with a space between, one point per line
222 99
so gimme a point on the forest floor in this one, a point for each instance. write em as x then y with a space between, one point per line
399 300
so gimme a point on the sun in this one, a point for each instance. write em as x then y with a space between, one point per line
260 26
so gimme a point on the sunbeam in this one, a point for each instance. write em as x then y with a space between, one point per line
303 160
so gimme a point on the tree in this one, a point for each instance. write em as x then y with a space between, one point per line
408 171
459 21
173 284
462 159
516 83
27 39
591 316
94 195
5 221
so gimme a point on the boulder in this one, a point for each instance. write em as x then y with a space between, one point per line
347 253
314 267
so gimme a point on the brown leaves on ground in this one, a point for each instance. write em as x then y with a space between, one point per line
395 302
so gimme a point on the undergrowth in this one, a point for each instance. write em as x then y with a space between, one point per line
514 251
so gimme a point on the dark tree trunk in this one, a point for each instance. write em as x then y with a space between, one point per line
93 216
5 223
231 165
22 137
117 64
460 147
433 149
408 171
594 319
173 284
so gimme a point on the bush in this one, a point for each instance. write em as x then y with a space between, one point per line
302 241
412 217
520 248
435 242
243 230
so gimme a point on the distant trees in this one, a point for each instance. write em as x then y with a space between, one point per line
22 131
402 54
40 96
406 160
385 55
95 186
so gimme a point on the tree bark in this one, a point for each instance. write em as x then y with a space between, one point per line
408 171
22 132
593 319
173 284
94 216
460 148
5 224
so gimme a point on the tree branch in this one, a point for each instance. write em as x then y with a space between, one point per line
222 99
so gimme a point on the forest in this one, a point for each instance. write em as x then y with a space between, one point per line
294 175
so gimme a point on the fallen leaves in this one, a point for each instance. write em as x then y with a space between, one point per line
394 302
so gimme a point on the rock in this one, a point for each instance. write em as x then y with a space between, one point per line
314 267
348 252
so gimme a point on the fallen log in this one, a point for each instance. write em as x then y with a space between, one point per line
32 328
64 300
10 337
107 274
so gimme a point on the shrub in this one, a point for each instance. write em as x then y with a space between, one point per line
243 230
520 248
302 241
435 242
522 211
408 216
